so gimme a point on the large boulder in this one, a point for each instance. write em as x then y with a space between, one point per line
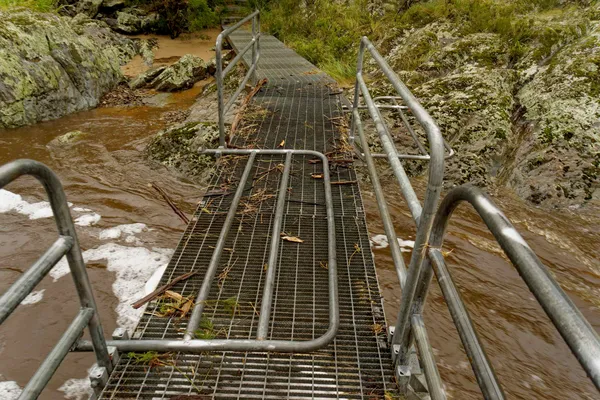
144 79
178 148
51 66
88 7
133 21
519 113
181 75
110 6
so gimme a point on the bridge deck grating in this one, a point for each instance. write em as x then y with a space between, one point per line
298 108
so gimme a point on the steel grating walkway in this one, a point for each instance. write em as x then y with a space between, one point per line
298 108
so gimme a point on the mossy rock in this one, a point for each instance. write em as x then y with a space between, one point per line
51 66
178 148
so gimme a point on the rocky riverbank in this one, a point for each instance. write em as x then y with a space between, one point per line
523 115
51 66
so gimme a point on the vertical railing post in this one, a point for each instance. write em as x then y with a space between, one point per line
62 216
219 76
64 223
253 49
356 101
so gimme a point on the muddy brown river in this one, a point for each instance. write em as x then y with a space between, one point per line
127 232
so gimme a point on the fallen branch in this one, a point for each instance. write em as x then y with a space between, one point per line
243 106
343 182
163 289
177 211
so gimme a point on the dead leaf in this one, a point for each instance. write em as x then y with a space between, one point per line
174 295
317 176
282 143
291 238
186 307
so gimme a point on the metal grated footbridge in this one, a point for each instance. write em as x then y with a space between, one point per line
273 292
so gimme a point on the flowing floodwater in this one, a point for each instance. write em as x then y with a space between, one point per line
127 233
530 358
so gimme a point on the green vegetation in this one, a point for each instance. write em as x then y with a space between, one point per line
36 5
178 16
327 33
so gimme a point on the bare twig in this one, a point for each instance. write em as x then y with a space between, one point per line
176 209
242 108
162 289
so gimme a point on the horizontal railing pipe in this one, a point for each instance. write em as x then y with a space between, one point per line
388 225
240 88
579 335
483 370
32 276
223 108
392 155
238 57
267 299
66 228
211 271
42 376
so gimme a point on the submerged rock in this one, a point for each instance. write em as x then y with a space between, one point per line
177 148
181 75
70 137
51 66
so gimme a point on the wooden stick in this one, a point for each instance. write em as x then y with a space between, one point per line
240 113
163 289
343 182
177 211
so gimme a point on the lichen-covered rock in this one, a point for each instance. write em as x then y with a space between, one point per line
143 79
88 7
472 106
133 21
51 66
110 6
558 161
188 70
178 148
520 112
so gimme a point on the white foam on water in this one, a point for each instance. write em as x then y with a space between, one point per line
13 202
152 283
81 209
381 242
10 390
133 266
129 230
77 389
87 219
34 297
10 201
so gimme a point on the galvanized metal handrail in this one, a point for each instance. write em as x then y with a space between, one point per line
398 108
568 320
423 215
220 74
67 244
428 258
261 343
